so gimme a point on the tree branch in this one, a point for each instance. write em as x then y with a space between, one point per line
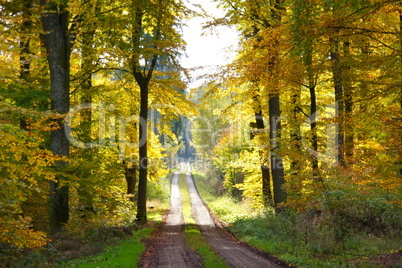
72 32
361 30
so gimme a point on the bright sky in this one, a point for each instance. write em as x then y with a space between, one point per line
208 49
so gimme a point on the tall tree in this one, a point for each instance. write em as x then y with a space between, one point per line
348 102
265 173
278 176
339 100
304 19
58 43
143 76
342 79
153 39
256 20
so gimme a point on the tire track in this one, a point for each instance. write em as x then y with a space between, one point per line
231 250
168 247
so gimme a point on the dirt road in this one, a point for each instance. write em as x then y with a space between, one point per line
231 251
168 247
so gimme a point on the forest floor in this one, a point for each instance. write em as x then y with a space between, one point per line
168 248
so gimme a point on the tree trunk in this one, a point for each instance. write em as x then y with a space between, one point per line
268 200
25 62
86 196
130 172
88 33
278 177
313 112
348 103
57 43
296 152
266 180
339 99
142 78
143 153
399 162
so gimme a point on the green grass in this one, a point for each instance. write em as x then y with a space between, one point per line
185 200
223 206
194 237
126 254
287 236
207 187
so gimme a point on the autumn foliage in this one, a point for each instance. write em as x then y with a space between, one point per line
336 66
306 118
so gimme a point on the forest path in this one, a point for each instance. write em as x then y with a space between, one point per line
234 253
168 248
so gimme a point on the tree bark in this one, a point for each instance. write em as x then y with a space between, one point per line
278 177
348 103
295 135
130 172
399 162
313 111
142 76
25 62
339 99
278 174
143 155
88 34
57 43
255 13
265 173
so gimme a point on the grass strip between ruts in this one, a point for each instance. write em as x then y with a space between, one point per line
194 237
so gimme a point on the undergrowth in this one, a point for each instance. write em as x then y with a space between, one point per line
309 238
126 254
89 242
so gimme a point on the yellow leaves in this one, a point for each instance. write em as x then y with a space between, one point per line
261 56
24 168
391 8
371 144
17 232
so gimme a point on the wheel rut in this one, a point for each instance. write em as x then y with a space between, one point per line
234 253
168 248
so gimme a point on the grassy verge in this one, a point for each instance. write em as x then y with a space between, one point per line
225 207
194 237
126 251
125 254
296 239
96 240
